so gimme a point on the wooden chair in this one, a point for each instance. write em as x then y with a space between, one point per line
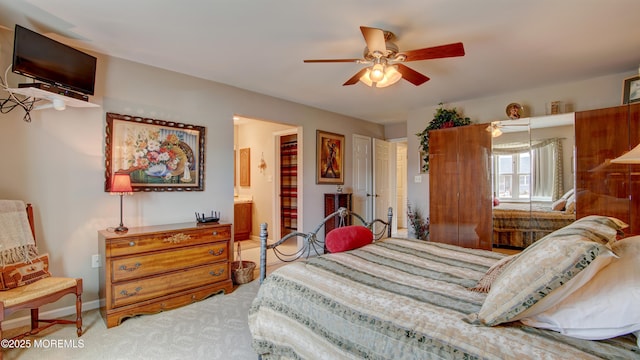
39 293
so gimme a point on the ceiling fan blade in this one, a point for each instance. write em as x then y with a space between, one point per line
436 52
374 39
411 75
332 60
355 78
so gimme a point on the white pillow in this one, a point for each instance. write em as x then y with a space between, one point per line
607 306
558 205
567 194
570 205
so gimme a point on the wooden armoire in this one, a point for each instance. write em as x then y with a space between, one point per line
604 188
460 201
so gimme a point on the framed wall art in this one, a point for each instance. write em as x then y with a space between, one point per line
329 158
631 90
158 155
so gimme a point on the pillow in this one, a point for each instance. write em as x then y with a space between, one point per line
484 284
607 306
24 273
558 205
567 194
570 205
603 229
348 238
554 264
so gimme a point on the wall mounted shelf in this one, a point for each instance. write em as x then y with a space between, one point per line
50 96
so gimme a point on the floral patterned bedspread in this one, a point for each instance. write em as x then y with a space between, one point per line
398 299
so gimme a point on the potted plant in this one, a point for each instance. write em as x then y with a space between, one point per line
419 223
442 119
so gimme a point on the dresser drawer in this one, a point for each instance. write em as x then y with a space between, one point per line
136 266
169 240
149 288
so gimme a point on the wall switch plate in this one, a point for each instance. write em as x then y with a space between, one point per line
95 261
417 179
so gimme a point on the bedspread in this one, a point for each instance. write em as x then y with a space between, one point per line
398 299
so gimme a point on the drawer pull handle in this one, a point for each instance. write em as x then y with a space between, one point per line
126 293
213 273
216 253
215 233
177 238
134 268
132 243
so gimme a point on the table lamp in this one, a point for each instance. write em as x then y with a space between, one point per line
631 157
121 184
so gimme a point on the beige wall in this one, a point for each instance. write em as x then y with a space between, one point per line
56 162
596 93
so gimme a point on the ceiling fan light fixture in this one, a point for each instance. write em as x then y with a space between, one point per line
391 76
494 129
377 73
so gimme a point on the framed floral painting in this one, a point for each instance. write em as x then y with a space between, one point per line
158 155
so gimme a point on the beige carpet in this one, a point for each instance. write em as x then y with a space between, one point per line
215 328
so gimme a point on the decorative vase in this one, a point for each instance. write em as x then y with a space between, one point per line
158 170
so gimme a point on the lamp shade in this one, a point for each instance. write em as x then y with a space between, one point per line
121 183
632 157
391 76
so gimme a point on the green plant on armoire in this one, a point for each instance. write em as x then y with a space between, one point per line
442 119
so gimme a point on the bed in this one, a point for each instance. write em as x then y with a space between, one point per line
399 298
518 225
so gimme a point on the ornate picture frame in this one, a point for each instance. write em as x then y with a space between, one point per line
631 90
329 158
158 155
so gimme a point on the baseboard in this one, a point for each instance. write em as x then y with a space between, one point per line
51 314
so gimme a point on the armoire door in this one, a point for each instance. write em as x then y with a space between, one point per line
475 201
604 188
443 186
460 186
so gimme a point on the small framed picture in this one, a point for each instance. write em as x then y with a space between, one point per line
631 90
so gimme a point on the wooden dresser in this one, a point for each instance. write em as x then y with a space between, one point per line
155 268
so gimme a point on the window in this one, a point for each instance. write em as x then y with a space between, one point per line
514 176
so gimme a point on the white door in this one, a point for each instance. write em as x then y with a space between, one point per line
383 182
362 196
400 210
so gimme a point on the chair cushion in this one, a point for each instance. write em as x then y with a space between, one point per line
35 290
24 273
348 238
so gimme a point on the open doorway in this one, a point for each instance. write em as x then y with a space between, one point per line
259 163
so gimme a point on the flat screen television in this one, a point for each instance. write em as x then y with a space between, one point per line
49 61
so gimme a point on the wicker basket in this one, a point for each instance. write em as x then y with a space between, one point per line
242 274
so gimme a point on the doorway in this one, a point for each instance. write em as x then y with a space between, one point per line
379 179
266 170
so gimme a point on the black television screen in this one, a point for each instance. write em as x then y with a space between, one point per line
49 61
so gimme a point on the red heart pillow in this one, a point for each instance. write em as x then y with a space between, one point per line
348 238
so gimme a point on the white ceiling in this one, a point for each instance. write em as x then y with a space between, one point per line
259 45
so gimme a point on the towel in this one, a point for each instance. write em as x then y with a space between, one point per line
16 240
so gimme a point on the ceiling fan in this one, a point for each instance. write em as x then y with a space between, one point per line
387 60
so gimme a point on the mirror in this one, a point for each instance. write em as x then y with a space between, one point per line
532 178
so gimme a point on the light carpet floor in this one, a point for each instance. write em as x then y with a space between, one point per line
215 328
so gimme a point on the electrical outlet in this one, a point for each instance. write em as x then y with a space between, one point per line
95 261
